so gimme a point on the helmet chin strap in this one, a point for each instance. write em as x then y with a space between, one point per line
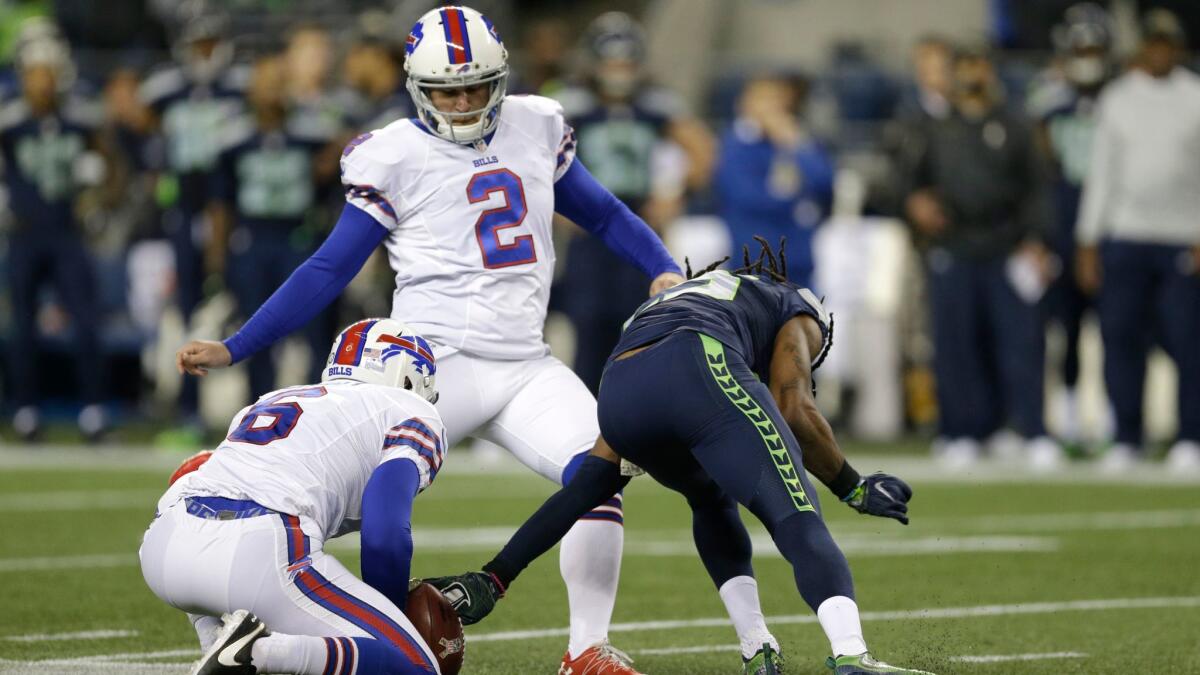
471 132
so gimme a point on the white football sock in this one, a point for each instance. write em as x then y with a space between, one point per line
292 654
740 595
590 562
839 617
207 629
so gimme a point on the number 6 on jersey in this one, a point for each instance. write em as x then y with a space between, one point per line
511 214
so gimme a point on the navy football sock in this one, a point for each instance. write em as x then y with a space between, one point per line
820 568
594 482
721 539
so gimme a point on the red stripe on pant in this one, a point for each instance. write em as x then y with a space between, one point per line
297 542
326 593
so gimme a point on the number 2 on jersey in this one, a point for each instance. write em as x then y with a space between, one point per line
270 420
511 214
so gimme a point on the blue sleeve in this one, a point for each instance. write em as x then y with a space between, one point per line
387 528
313 285
580 197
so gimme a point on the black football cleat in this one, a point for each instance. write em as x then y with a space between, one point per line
230 652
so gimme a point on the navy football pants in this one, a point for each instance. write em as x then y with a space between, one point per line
253 274
35 258
988 350
1149 290
690 412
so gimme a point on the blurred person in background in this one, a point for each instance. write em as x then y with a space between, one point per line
308 60
47 144
1063 102
373 94
265 185
626 127
977 202
1139 236
928 95
545 48
772 178
193 102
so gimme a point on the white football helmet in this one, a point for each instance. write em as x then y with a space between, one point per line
383 351
449 48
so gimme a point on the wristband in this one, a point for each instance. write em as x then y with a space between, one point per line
846 481
501 573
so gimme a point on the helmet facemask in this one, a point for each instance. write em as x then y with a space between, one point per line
443 123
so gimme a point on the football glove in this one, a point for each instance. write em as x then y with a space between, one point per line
881 495
473 595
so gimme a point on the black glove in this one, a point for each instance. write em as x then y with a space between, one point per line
881 495
473 594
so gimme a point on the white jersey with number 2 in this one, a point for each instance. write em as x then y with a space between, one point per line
308 451
469 225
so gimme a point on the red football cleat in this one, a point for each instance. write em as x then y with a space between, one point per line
599 659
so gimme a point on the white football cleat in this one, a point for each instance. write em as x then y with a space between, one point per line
1120 457
960 454
1045 454
1184 456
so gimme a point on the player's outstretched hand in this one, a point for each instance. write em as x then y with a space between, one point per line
881 495
197 356
473 595
664 281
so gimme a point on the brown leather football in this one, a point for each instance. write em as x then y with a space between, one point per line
438 624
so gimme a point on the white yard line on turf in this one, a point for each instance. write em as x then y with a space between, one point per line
78 500
164 654
863 546
898 615
75 667
912 468
67 562
658 543
678 542
128 662
1004 658
79 635
701 649
991 658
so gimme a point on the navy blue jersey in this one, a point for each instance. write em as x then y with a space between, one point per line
267 178
40 158
744 312
617 142
1069 118
194 119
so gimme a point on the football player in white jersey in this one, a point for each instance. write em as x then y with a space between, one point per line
242 535
462 197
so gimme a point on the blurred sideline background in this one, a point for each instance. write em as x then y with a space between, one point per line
191 165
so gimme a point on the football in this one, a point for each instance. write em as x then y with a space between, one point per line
189 465
438 623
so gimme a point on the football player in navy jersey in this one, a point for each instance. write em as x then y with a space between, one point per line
1064 104
47 141
710 391
622 122
193 101
266 183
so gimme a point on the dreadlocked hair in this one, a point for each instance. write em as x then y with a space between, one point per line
688 265
769 263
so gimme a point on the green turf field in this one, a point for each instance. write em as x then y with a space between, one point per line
997 574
